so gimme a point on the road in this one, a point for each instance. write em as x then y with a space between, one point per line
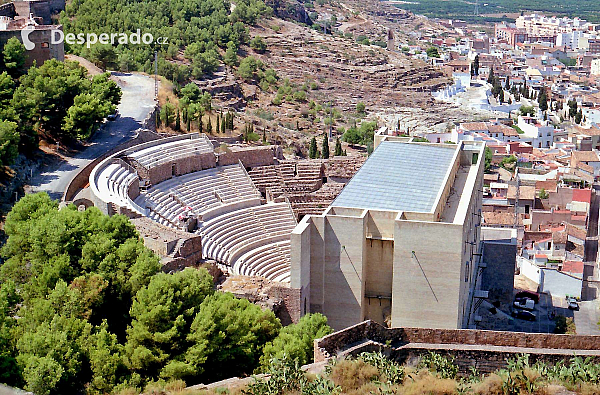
587 317
137 102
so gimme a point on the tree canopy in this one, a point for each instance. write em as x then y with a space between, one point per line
200 27
96 314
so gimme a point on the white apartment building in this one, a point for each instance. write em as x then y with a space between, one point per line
547 26
540 134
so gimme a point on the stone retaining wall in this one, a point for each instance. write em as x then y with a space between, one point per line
486 350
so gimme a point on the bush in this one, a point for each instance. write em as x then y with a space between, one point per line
440 365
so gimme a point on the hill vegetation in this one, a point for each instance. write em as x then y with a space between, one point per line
200 30
85 308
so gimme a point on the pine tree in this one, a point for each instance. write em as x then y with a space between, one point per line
325 148
312 150
338 147
178 121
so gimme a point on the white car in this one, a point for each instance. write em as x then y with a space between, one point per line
526 304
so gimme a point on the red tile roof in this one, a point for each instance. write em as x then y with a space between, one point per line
582 195
573 267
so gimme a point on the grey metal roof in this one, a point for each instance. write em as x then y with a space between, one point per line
398 177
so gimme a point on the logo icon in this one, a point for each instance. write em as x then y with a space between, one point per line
25 37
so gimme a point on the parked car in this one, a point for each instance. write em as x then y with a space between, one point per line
528 294
573 305
524 303
524 315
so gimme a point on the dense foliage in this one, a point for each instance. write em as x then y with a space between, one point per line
57 100
201 28
85 308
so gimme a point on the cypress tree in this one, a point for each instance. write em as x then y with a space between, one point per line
178 121
325 148
491 78
209 128
312 150
223 124
338 147
188 125
200 124
264 140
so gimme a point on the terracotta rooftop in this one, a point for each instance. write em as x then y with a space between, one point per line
548 185
576 231
585 156
582 195
506 130
559 237
525 192
495 218
473 126
573 267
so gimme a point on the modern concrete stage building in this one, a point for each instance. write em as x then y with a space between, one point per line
400 244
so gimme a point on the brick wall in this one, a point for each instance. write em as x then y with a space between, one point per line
250 157
290 313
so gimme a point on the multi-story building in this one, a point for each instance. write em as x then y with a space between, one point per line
401 243
536 24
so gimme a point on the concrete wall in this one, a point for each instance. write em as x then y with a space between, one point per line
529 269
498 276
438 248
559 284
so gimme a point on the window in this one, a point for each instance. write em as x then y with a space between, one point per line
467 272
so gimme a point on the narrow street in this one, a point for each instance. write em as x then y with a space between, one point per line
136 103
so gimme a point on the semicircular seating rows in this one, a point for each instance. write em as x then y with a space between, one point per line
251 239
